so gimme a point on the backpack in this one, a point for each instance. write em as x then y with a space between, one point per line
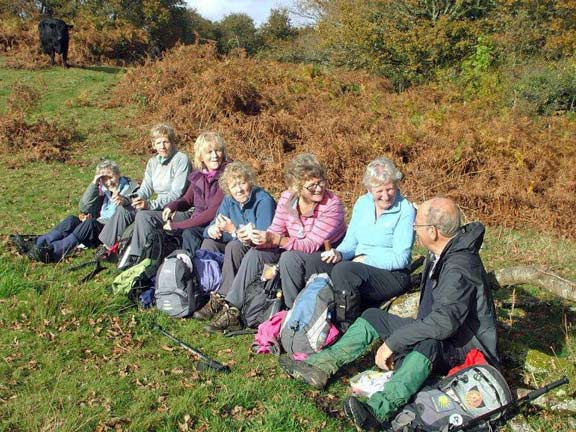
158 245
308 324
262 299
208 269
138 277
347 307
177 290
454 400
266 338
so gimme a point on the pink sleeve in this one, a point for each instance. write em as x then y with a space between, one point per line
279 222
328 225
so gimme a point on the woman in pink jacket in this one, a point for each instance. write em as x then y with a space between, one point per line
307 215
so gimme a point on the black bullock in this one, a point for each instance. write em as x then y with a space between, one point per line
54 38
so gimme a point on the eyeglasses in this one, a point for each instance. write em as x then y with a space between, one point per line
422 225
313 187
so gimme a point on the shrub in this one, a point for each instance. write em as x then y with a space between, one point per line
39 141
548 89
503 168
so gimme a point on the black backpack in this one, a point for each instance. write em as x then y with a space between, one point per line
454 401
178 292
159 244
262 299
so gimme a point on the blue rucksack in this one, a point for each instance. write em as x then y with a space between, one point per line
307 326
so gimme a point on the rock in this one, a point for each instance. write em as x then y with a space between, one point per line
404 306
539 363
518 424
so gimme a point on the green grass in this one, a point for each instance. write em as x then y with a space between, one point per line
73 358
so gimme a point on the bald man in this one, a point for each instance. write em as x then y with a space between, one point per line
455 314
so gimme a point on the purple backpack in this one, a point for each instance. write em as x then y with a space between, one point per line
208 268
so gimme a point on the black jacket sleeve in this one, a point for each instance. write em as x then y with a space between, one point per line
452 297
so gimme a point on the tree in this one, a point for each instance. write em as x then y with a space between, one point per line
405 40
278 27
237 30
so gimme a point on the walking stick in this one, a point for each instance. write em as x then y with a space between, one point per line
204 359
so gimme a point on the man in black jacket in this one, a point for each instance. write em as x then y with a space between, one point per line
456 314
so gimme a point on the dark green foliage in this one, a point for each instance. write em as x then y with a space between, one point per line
548 89
237 31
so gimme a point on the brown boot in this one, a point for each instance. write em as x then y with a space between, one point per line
210 309
228 319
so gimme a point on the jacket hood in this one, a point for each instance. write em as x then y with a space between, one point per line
469 239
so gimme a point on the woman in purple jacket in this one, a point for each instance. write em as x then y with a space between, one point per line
188 215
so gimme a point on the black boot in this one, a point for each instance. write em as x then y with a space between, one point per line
21 244
362 417
43 253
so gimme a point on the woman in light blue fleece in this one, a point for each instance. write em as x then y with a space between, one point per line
372 260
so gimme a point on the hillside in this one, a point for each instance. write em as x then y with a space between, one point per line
76 358
502 167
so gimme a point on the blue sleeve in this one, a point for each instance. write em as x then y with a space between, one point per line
348 246
397 257
264 213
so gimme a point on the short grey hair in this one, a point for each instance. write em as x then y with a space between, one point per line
239 171
446 220
163 130
108 164
381 170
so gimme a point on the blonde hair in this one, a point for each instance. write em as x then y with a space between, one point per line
236 171
163 130
302 168
204 140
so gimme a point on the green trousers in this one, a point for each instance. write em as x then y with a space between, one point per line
405 382
352 345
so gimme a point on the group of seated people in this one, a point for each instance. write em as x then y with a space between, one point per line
215 204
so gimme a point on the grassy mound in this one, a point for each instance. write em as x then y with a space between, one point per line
501 167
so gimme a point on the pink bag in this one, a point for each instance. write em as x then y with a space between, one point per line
266 339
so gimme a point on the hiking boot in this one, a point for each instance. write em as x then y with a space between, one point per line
302 371
21 245
228 319
41 254
210 309
361 416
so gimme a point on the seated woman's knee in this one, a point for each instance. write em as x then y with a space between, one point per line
233 247
144 216
289 259
341 269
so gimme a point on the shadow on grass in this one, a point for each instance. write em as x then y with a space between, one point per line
107 69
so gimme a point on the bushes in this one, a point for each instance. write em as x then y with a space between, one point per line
503 168
39 141
548 89
91 42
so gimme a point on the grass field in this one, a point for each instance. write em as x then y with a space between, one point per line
75 358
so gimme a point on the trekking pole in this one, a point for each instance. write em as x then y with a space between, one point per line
511 409
205 360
